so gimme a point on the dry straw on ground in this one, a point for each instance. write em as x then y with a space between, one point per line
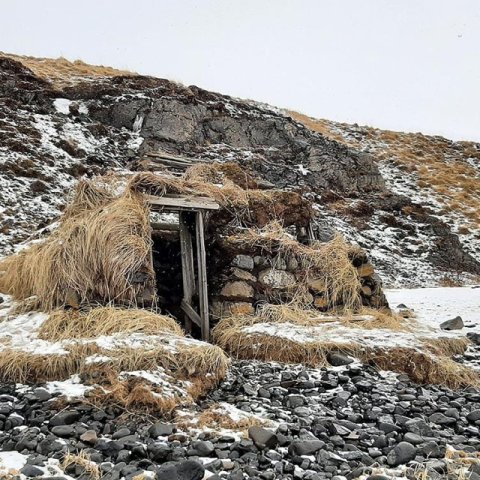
67 324
135 395
216 418
82 459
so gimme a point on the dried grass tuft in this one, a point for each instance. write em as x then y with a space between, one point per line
62 72
447 347
204 361
136 395
370 318
82 459
17 366
89 195
68 324
424 368
215 418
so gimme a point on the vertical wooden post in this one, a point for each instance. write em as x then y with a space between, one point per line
202 277
188 272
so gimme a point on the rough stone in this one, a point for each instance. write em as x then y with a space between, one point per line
276 278
402 453
474 416
262 437
318 285
244 262
365 270
337 359
305 447
190 470
64 418
237 289
452 324
221 309
243 275
474 337
161 429
90 436
320 302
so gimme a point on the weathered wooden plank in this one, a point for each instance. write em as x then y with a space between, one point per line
170 163
202 277
182 202
188 269
173 158
192 315
165 226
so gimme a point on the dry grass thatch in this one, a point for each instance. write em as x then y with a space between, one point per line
243 205
229 336
99 253
424 367
217 172
329 262
204 360
68 324
365 318
190 362
18 366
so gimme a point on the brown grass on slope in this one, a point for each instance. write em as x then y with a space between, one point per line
437 162
62 72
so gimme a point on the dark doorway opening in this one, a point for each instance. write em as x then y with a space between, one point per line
185 217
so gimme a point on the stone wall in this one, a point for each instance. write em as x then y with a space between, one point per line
242 281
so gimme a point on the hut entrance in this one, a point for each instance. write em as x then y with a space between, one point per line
179 258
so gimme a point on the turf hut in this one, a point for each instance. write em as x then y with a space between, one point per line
206 244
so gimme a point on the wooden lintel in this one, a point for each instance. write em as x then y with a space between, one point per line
181 202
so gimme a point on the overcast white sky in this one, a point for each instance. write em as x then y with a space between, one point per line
409 65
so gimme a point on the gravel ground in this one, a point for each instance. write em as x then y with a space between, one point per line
346 421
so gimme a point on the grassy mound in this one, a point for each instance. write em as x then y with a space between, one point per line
289 334
131 358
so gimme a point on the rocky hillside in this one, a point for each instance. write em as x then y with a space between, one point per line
60 121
